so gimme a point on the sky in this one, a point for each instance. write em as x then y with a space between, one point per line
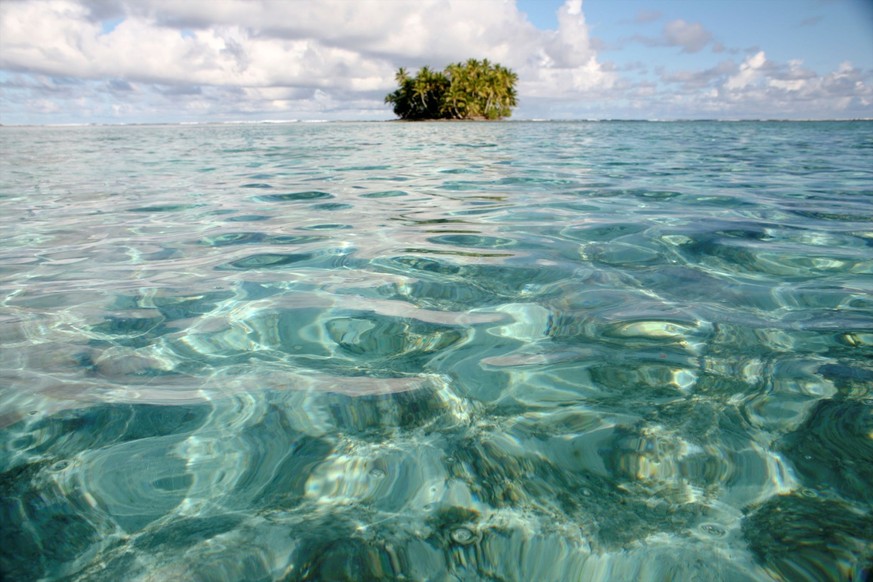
170 61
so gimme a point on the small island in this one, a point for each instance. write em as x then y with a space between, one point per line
471 90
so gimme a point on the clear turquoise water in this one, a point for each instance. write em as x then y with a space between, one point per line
506 351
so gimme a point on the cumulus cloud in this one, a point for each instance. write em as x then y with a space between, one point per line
59 38
759 87
148 60
564 63
693 80
263 47
750 70
645 16
691 36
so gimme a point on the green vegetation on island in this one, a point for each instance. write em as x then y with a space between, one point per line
471 90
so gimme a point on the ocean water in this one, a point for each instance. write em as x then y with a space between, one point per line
437 351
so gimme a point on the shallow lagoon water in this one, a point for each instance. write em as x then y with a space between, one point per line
472 351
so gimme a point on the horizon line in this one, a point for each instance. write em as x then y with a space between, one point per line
517 120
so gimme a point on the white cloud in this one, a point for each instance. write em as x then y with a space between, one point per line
63 42
565 64
141 60
646 16
758 87
340 47
749 71
573 7
793 78
691 36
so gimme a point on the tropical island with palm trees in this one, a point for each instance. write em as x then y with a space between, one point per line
471 90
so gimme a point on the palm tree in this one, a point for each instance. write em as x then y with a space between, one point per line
470 90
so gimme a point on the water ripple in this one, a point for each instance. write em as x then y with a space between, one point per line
516 351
